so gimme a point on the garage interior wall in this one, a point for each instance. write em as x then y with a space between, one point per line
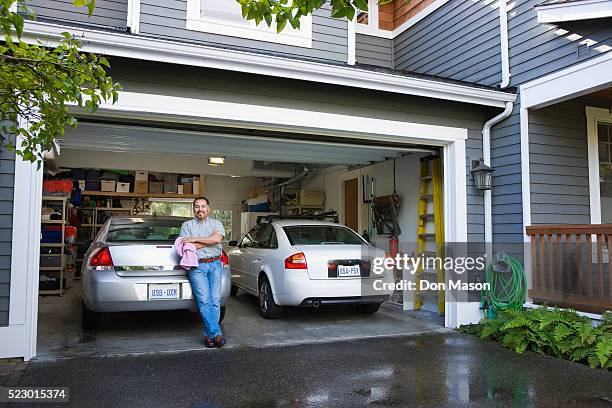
407 186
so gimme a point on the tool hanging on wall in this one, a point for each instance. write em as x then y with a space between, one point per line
386 216
430 212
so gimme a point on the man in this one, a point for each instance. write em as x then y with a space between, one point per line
206 234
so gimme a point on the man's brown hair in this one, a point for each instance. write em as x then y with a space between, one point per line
201 198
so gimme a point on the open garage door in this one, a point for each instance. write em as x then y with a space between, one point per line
252 161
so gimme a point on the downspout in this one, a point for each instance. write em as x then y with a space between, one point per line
505 54
486 129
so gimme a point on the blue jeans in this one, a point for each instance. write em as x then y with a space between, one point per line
206 286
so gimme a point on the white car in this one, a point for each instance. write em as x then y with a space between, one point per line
289 262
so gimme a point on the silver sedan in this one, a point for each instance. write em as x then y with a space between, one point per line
132 266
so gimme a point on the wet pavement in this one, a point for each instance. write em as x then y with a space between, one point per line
439 370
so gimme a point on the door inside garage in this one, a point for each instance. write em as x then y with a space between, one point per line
120 168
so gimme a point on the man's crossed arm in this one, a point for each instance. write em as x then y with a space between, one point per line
200 242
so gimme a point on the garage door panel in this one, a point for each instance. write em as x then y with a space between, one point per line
106 137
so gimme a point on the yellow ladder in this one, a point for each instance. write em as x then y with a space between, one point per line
430 199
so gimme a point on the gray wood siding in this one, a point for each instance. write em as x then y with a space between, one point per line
559 163
108 13
7 179
166 19
375 51
459 41
191 82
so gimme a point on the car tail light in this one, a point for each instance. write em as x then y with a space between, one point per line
296 261
224 259
101 258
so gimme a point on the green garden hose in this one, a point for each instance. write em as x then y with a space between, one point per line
507 289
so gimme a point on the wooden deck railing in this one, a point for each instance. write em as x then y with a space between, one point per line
571 266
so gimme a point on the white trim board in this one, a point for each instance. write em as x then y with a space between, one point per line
130 46
568 83
134 105
574 11
249 29
20 339
595 116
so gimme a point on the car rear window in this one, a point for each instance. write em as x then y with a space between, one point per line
144 229
321 235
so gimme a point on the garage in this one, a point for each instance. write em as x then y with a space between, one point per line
128 170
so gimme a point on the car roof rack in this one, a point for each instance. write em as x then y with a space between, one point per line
331 215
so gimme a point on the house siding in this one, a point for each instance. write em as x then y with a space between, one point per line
107 13
191 82
166 19
7 180
459 41
449 43
376 51
559 163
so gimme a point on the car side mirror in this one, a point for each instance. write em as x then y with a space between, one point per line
233 243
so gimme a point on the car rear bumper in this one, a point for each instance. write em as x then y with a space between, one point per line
298 288
352 300
104 291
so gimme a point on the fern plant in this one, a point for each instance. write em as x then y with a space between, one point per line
561 333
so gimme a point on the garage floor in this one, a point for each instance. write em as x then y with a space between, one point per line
60 336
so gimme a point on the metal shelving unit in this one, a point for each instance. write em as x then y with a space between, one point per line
61 269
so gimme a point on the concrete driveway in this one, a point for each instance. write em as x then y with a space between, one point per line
442 370
60 335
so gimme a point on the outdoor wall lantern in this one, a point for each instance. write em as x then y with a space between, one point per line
482 174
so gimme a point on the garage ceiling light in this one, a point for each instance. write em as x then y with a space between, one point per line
216 161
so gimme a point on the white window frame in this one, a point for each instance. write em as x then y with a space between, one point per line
595 116
372 27
261 32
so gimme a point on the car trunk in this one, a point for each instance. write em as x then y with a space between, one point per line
146 259
319 256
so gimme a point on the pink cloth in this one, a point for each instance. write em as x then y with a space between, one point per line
188 253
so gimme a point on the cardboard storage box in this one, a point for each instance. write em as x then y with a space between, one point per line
123 187
108 185
311 197
141 187
141 175
188 188
156 187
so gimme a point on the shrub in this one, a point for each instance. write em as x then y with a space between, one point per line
561 333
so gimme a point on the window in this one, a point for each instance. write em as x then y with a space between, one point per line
599 136
172 208
225 217
368 18
604 137
140 229
224 17
265 237
322 235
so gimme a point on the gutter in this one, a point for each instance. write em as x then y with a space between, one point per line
173 52
486 129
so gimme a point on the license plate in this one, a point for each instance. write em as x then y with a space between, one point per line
163 291
352 270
